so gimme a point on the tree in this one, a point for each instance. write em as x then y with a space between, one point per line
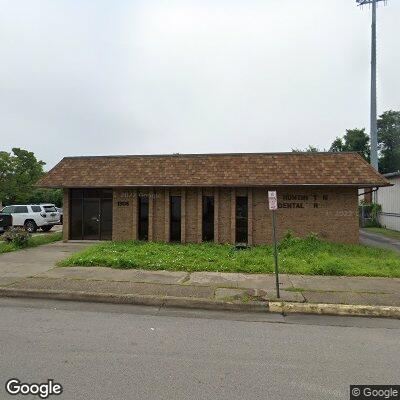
337 145
389 141
19 172
309 149
353 140
38 196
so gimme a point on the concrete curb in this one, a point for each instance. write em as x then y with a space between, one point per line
334 309
207 304
158 301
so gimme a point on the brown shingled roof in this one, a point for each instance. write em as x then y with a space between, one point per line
257 169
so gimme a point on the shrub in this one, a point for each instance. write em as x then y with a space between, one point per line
369 214
17 236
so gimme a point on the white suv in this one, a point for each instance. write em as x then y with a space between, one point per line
33 216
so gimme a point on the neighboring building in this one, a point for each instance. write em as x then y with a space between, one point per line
211 197
389 199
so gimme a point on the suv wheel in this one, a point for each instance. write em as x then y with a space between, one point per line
30 226
46 228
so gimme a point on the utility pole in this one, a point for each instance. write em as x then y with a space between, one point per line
374 116
373 111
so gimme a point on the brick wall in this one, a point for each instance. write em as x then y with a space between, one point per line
332 213
123 228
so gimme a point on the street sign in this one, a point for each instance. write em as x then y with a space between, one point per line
272 200
273 206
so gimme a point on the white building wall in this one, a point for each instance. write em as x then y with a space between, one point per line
389 198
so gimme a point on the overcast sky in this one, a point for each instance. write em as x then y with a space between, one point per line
92 77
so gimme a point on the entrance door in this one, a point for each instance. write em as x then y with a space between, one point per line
91 214
91 219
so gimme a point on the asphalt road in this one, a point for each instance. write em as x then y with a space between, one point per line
100 351
380 241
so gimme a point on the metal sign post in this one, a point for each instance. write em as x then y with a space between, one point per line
273 206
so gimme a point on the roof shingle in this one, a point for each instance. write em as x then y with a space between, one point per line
251 169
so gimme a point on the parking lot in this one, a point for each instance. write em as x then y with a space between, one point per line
56 228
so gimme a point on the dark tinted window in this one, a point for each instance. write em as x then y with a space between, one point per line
21 209
8 210
143 228
49 208
175 219
36 208
241 219
76 209
208 218
107 194
76 193
92 193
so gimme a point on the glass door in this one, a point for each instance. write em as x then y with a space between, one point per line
91 219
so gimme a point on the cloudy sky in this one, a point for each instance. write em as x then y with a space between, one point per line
83 77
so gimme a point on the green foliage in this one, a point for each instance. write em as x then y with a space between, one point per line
389 141
38 196
20 170
354 140
16 236
309 149
371 214
308 256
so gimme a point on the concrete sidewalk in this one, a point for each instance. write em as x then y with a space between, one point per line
32 261
32 273
215 286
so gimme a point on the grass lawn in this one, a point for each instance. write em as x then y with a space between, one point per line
32 242
385 232
309 256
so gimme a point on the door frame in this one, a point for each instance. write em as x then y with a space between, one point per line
99 201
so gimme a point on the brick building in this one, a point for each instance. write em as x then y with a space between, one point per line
211 197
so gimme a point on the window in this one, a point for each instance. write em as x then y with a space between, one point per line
143 228
20 209
8 210
76 193
49 209
175 219
241 219
208 218
36 209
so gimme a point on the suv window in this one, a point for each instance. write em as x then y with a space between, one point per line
8 210
49 208
20 209
36 208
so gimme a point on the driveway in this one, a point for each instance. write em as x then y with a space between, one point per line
375 240
54 229
33 261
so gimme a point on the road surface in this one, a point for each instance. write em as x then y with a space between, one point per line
380 241
104 351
